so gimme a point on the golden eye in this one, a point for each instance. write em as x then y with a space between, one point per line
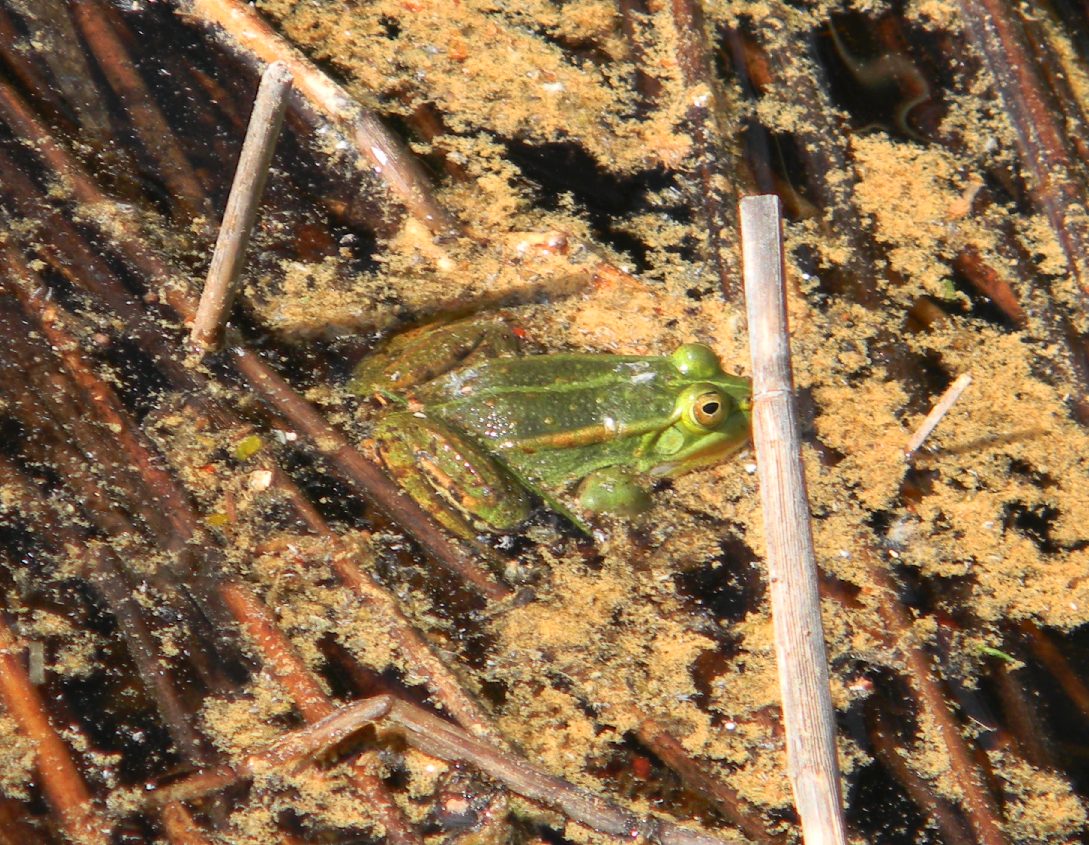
708 409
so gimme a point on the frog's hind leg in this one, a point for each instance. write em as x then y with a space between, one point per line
457 482
419 355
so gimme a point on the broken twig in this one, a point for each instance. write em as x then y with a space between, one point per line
940 409
238 219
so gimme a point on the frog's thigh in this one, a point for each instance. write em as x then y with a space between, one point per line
613 490
449 475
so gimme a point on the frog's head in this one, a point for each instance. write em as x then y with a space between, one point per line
711 416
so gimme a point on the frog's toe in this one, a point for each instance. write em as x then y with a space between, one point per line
615 491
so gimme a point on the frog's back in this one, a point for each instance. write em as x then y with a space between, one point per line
557 415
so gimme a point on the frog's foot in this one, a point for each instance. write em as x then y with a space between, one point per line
417 356
457 482
613 490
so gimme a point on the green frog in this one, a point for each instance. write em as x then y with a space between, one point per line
474 430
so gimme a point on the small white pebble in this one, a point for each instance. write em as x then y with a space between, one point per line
260 480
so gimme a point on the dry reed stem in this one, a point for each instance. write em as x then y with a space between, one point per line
221 285
940 409
60 780
792 567
247 33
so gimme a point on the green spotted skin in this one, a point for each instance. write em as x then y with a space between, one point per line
477 437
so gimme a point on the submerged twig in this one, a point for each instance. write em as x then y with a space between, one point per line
883 737
704 111
305 691
792 567
667 748
1057 183
141 456
151 126
800 80
251 36
439 738
220 287
979 806
180 827
61 781
1056 662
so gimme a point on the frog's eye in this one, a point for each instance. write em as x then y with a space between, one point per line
705 407
709 410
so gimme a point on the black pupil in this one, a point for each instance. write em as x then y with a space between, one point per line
711 408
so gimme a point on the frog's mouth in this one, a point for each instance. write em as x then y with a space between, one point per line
711 449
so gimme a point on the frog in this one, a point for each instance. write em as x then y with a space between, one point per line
478 430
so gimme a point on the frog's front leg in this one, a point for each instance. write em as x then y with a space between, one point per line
613 490
449 476
417 356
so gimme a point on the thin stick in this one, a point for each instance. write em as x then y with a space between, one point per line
792 566
951 395
249 183
735 809
979 807
885 743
